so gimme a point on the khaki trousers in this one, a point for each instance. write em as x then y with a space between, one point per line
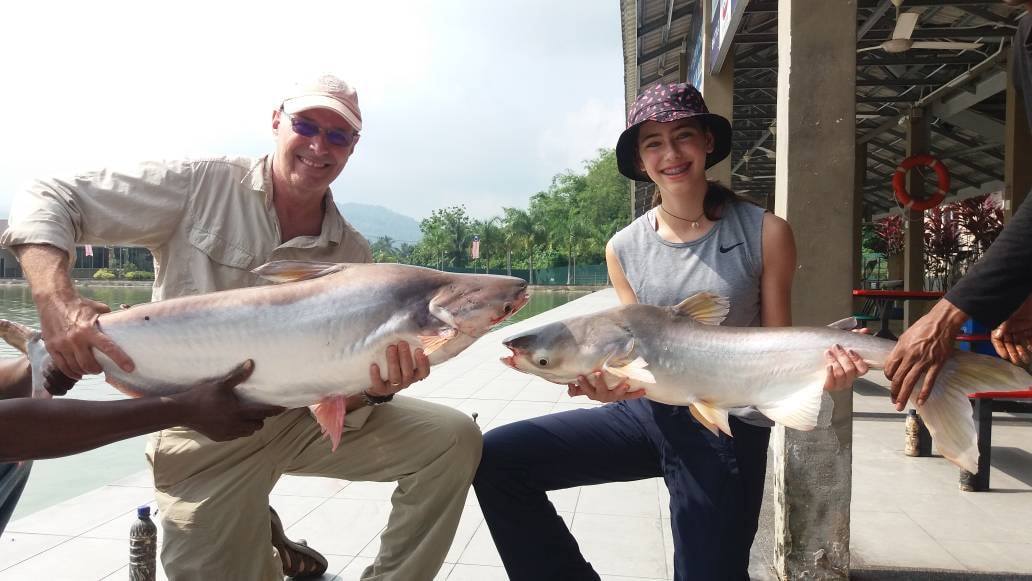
213 497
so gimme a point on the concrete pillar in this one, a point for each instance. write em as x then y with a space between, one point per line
814 191
717 90
918 138
1017 164
859 175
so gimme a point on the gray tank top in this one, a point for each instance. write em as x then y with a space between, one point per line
727 261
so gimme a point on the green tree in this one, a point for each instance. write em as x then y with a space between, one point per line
448 233
528 234
383 250
567 223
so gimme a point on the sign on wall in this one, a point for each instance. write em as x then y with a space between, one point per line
725 16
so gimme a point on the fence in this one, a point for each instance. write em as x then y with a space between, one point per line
586 275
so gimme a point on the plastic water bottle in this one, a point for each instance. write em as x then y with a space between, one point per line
918 440
143 542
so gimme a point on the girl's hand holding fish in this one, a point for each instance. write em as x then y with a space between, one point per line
843 368
599 391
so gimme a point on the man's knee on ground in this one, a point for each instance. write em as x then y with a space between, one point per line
463 436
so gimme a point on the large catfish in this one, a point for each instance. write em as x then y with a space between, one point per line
681 356
312 338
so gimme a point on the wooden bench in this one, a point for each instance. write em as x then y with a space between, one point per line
984 404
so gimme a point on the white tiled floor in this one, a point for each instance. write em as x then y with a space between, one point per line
906 513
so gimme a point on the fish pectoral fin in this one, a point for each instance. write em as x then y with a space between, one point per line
800 409
714 417
847 324
294 270
705 307
432 343
634 370
330 414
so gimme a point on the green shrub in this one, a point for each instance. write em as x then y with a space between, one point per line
103 274
139 275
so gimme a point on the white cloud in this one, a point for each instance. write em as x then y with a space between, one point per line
455 93
581 133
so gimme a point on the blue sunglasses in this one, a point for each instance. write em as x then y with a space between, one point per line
306 128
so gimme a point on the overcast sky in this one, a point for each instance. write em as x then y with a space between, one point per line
475 102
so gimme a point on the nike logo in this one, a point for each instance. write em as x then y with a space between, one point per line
726 249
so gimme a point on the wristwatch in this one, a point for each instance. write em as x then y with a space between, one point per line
375 400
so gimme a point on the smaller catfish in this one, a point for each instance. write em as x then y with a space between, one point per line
312 338
681 356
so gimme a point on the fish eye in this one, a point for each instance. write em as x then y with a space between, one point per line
507 308
543 362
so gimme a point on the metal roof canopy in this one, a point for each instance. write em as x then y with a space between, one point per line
963 91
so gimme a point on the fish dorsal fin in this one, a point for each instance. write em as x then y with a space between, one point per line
634 370
847 324
705 307
294 270
432 343
716 418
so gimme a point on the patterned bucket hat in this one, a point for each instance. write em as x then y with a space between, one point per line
665 103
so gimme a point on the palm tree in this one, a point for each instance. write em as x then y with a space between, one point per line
491 238
529 232
383 249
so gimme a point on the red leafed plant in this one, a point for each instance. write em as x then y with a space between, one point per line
982 218
957 234
888 238
942 245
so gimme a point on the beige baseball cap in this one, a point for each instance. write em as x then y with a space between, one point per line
326 92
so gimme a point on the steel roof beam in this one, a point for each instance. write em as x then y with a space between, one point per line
868 4
964 162
873 19
984 89
659 23
984 125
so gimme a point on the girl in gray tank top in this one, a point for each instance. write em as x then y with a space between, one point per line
698 237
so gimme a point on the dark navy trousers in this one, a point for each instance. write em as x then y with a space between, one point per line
715 483
12 481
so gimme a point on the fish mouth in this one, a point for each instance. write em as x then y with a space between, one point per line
514 307
510 360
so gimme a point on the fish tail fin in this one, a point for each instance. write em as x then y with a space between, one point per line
800 409
16 335
330 414
30 342
947 411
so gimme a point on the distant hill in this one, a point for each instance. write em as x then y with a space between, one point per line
376 221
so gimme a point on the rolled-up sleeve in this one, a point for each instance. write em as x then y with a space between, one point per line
139 206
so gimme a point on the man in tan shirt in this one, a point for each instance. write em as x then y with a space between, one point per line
208 222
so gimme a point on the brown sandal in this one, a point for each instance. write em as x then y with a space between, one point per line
299 560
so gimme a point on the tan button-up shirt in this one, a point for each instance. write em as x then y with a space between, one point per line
208 222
